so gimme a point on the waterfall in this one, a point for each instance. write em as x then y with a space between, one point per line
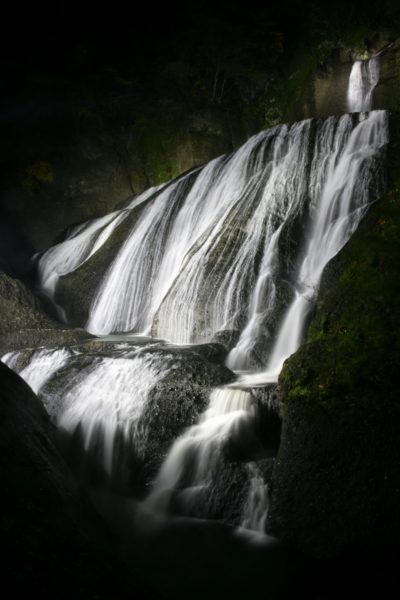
238 245
101 403
364 77
105 400
344 179
343 202
343 184
43 364
205 253
82 242
256 507
197 454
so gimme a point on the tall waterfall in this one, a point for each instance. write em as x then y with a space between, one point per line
343 185
199 244
187 267
238 245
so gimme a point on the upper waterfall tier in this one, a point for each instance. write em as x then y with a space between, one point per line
364 78
220 248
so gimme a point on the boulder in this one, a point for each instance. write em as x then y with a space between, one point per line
24 322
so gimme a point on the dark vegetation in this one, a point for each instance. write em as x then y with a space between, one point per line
97 108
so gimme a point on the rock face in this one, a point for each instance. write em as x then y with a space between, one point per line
23 321
336 483
92 148
48 530
19 308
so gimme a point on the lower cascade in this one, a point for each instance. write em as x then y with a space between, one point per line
97 401
229 257
196 456
256 507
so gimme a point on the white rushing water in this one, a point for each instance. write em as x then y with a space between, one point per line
206 251
330 142
126 295
364 78
256 507
82 242
198 450
343 201
41 367
259 189
109 399
105 399
188 266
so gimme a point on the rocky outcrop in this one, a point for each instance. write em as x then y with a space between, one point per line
19 309
48 529
336 483
24 322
